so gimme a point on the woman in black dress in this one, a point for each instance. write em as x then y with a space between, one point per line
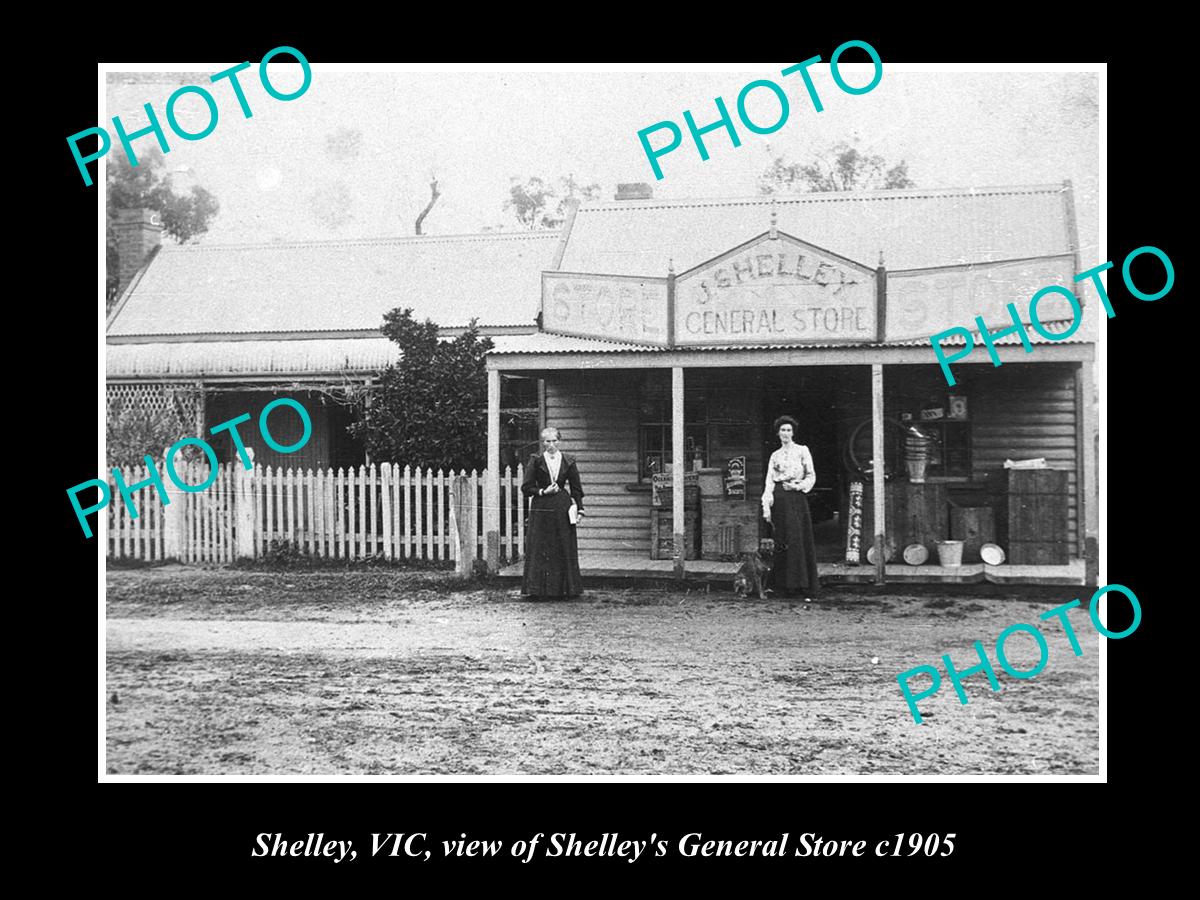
551 548
790 476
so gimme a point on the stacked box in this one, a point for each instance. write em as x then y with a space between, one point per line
662 538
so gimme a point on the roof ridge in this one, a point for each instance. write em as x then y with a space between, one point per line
475 237
825 197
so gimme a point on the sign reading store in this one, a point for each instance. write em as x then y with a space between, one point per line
611 307
775 289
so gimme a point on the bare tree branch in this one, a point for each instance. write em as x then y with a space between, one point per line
433 190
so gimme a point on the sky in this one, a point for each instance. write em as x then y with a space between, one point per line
353 156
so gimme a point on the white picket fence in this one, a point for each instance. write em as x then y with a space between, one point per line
387 510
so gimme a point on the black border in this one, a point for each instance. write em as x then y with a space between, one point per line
207 835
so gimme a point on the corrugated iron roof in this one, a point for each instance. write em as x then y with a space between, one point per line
1059 326
366 356
338 285
197 359
542 342
913 229
554 343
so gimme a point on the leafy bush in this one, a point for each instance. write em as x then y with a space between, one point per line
431 407
132 431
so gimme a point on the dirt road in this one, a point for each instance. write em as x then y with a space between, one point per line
386 672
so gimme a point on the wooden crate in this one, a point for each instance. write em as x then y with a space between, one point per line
662 538
1039 553
915 514
974 526
1038 517
691 497
728 528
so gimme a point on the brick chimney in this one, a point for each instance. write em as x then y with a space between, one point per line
139 233
635 191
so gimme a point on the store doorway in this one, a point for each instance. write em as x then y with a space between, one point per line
828 402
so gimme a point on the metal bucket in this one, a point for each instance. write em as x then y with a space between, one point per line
950 553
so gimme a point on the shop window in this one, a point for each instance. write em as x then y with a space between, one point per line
519 419
950 453
657 447
944 417
655 444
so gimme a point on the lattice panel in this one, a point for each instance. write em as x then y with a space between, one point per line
181 403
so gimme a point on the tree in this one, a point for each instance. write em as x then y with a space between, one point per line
148 186
843 167
530 199
430 408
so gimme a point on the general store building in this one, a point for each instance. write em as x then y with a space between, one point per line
673 333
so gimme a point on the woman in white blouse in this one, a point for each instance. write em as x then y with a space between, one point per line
790 476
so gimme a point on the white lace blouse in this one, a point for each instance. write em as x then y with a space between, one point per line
790 466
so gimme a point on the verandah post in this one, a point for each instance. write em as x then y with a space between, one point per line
491 479
877 468
677 498
1087 478
506 528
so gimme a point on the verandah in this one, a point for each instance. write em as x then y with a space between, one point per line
1028 408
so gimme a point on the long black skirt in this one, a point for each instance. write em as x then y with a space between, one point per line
551 550
794 569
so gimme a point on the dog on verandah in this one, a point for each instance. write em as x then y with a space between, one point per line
752 572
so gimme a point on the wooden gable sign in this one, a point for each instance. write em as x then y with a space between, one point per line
631 309
924 302
772 290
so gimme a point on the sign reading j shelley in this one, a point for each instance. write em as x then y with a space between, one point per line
775 290
613 307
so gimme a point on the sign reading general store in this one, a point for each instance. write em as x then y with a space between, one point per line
776 290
